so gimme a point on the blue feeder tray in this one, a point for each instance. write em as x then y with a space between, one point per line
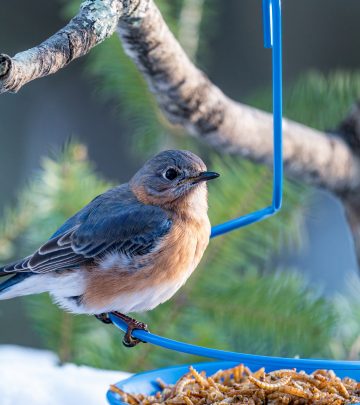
145 383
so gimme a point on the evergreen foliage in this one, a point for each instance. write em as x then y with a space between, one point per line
346 344
316 99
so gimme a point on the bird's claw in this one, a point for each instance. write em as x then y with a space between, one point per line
129 340
132 324
104 318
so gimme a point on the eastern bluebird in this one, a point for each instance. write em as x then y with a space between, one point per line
129 250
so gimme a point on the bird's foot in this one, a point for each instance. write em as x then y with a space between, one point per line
132 324
104 318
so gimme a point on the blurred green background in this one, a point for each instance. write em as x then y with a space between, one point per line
280 287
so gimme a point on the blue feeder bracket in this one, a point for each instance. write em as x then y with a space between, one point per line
272 39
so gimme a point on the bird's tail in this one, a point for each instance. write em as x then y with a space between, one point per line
8 288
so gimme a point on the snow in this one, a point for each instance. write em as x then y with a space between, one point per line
33 377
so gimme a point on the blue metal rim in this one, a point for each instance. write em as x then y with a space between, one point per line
146 382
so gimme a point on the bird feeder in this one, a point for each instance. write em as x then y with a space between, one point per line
146 382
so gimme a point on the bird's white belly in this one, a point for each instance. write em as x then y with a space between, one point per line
144 299
137 301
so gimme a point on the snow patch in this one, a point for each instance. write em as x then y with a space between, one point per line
33 377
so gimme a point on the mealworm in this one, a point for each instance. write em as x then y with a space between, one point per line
187 400
294 391
161 383
270 386
199 378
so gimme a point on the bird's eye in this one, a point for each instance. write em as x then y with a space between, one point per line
171 174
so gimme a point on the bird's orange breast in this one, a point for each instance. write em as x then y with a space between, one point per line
158 274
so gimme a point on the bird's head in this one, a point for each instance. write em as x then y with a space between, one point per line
169 177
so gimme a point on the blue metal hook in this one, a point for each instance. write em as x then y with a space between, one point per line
272 35
267 23
272 39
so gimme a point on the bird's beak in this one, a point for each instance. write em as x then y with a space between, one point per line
204 176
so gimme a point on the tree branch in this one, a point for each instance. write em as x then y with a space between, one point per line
188 98
96 21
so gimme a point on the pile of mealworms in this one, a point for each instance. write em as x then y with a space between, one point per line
240 386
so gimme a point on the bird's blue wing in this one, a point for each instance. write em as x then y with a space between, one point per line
108 224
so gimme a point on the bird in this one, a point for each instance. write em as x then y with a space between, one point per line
129 249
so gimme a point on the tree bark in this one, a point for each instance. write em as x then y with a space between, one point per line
349 128
96 21
188 98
